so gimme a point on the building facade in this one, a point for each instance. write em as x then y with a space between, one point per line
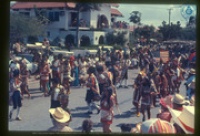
93 24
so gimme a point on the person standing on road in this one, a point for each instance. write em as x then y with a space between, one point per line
55 68
46 44
137 94
107 103
64 101
24 77
92 90
146 98
16 98
44 76
61 120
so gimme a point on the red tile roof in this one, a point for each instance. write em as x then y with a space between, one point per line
22 5
115 12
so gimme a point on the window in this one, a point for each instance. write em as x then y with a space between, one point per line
54 16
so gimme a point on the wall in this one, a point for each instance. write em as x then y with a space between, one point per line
105 10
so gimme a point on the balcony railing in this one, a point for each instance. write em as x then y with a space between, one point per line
119 25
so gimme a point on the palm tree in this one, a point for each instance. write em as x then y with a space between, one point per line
84 7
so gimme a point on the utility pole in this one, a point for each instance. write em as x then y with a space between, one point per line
169 21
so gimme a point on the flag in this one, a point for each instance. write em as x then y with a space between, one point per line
164 55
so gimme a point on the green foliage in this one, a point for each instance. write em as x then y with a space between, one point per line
113 38
188 34
24 26
135 17
146 32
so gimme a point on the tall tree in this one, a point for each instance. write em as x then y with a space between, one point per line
84 7
23 26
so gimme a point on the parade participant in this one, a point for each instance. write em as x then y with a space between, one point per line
61 60
191 90
146 98
76 71
56 91
83 70
137 94
46 58
17 48
191 56
164 113
107 110
163 85
154 93
178 101
126 128
16 98
46 44
157 80
189 79
87 126
115 72
168 76
71 61
24 78
55 68
61 120
64 102
102 80
175 79
124 68
44 76
92 90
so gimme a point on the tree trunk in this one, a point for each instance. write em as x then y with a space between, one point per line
77 29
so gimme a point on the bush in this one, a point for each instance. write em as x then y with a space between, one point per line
113 38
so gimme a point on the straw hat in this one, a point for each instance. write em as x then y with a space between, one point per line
192 71
178 99
166 101
59 114
184 119
155 125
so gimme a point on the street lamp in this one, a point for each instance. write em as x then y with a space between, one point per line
169 20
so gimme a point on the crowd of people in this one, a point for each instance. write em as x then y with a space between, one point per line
103 74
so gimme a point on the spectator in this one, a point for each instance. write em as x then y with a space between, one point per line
87 126
60 120
126 128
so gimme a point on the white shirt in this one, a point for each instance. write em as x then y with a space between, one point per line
57 90
15 66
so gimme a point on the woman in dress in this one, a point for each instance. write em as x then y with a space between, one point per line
107 110
24 77
44 76
136 94
146 98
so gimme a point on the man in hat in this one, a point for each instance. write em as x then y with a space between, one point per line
61 120
164 113
178 101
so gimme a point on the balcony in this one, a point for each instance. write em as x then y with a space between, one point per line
120 25
83 25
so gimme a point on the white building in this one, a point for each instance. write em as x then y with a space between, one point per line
94 24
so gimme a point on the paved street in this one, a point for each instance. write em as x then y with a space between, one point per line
35 114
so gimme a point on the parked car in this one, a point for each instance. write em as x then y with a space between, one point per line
32 67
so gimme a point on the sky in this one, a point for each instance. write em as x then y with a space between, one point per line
155 14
